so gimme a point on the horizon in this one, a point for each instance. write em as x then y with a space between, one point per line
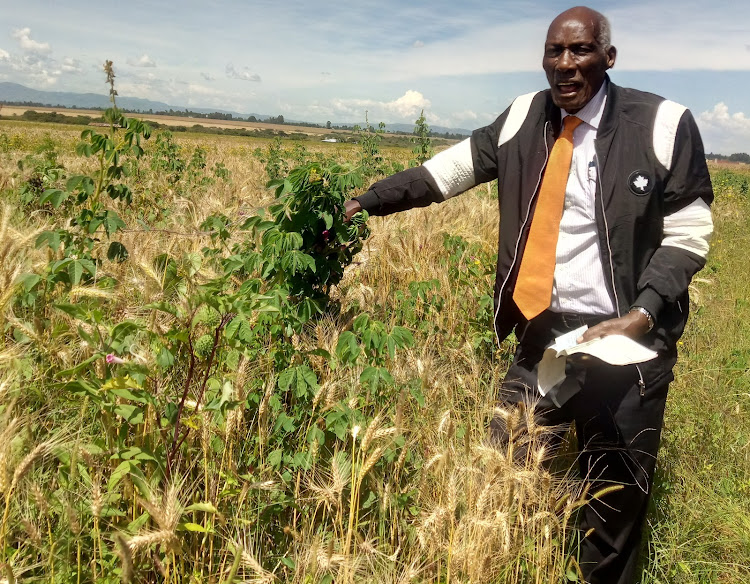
332 62
177 110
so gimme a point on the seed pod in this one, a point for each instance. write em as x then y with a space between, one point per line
203 346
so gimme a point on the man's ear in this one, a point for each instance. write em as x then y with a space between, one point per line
611 57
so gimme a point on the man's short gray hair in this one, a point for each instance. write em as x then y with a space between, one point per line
604 36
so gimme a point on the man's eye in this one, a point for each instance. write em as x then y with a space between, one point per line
552 52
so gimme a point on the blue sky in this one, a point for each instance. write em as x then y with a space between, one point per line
462 62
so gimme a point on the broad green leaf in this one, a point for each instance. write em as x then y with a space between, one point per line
117 252
274 458
132 414
109 511
82 182
164 307
296 262
122 333
77 311
347 348
82 365
308 308
134 526
195 527
117 475
285 422
391 346
403 336
361 322
136 453
315 434
300 378
165 358
288 562
205 507
49 238
193 261
75 272
113 223
53 196
28 281
138 396
239 329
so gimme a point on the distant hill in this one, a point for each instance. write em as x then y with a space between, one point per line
13 92
409 128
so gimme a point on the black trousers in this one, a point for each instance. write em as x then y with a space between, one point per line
618 426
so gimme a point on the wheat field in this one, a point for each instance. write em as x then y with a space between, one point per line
150 434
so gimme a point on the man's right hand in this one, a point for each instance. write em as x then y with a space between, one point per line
351 207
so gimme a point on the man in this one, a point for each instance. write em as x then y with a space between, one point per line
604 201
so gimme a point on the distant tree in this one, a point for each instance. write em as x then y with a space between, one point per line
740 157
328 125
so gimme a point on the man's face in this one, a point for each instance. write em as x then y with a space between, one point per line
575 63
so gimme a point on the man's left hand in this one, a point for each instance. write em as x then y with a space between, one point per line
634 325
351 208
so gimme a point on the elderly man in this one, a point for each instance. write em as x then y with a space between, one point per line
604 219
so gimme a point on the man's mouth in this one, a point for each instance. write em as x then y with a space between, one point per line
568 88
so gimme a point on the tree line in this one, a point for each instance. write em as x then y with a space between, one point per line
736 157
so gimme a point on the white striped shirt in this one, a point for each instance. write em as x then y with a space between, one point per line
579 285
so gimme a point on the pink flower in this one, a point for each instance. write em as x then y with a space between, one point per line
112 358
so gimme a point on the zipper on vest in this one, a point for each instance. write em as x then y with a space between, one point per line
641 382
520 233
606 232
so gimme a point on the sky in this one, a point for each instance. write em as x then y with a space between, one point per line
462 62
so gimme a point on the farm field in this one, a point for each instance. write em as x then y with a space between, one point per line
10 111
204 379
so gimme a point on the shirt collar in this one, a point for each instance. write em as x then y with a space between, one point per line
592 112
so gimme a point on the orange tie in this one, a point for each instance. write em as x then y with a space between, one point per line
533 291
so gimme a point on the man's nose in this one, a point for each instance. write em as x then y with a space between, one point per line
565 61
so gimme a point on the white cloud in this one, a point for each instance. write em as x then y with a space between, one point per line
244 75
409 104
724 132
418 44
466 115
208 77
4 55
143 61
71 65
406 107
23 36
203 90
37 69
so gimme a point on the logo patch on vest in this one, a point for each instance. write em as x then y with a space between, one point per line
640 183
